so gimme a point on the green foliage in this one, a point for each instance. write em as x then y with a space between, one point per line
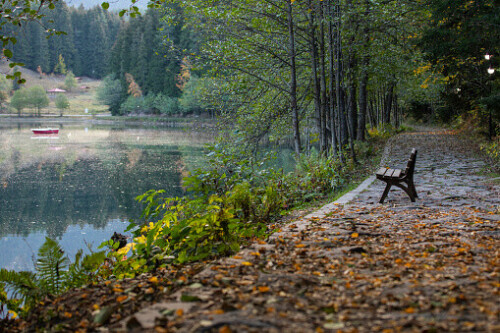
62 102
111 92
60 67
492 150
51 266
185 230
166 105
18 100
135 105
456 39
53 275
191 100
5 88
37 98
70 81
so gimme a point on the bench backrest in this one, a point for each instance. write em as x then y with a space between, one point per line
410 166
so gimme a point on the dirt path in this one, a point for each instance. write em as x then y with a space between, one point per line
428 266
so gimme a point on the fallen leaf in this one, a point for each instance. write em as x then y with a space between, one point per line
122 298
264 289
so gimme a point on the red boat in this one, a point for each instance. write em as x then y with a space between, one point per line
45 130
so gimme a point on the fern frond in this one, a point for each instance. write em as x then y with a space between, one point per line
21 286
51 266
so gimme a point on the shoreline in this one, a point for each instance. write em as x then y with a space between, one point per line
104 120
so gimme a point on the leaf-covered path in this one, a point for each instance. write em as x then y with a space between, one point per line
428 266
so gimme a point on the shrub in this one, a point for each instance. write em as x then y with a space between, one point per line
167 105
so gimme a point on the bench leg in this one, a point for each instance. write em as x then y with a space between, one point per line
386 191
408 191
412 188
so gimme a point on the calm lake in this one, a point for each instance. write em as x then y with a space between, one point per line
78 187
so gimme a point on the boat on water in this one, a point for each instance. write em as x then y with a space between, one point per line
45 130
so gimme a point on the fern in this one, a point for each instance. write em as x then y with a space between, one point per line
51 266
22 288
20 291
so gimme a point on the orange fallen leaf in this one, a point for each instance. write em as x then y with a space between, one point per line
354 235
179 312
225 329
68 315
95 306
120 299
150 290
257 254
300 246
410 310
153 279
118 290
218 312
237 257
264 289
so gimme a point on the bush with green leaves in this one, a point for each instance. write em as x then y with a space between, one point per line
166 105
53 275
111 93
181 230
135 105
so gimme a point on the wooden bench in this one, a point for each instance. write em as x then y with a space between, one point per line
400 178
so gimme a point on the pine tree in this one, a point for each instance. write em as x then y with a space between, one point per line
61 66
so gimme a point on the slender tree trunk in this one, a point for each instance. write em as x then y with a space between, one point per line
324 101
388 103
331 73
314 72
293 82
362 97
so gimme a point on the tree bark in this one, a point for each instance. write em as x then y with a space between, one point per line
293 81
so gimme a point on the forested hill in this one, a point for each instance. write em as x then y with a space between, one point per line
84 48
113 4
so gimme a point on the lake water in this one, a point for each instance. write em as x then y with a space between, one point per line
78 187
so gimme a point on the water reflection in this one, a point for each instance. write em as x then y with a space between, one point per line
80 185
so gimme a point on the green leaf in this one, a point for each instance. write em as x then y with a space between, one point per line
105 5
7 53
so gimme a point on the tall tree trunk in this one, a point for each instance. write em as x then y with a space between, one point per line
331 82
339 78
293 81
314 73
388 103
324 101
362 97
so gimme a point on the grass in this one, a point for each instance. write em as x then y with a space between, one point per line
80 98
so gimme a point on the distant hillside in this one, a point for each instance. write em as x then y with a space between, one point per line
113 4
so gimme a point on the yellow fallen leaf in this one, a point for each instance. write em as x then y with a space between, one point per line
68 315
246 263
354 235
118 290
257 254
153 279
